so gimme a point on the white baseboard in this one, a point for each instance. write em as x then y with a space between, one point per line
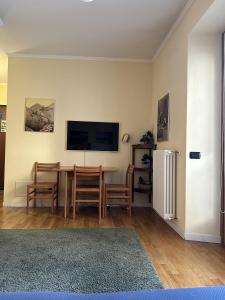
174 226
207 238
195 237
22 202
16 203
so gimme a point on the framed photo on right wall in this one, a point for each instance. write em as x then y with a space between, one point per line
163 119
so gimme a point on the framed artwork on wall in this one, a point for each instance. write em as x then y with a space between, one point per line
3 126
163 119
39 115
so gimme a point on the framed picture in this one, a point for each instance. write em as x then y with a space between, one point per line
3 126
163 119
39 115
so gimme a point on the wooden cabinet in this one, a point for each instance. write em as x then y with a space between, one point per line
142 170
2 145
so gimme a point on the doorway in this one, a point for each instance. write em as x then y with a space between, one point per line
2 148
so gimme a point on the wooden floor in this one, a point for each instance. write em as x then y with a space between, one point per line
179 263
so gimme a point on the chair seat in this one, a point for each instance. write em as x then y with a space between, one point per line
42 185
88 188
43 196
43 192
116 187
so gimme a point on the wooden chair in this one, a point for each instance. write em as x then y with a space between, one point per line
115 193
82 174
44 190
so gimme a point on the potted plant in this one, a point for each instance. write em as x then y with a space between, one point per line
148 138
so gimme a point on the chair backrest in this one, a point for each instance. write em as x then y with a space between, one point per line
88 172
129 175
44 168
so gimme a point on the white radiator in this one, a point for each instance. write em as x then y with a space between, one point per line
164 183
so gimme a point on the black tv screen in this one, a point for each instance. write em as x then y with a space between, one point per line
97 136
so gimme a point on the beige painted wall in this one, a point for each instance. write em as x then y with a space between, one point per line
3 79
83 90
3 93
3 68
170 75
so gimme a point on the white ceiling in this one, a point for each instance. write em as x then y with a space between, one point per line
131 29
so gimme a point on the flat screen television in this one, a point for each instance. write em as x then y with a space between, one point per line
96 136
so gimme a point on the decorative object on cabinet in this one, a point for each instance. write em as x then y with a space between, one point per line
146 159
148 138
141 180
144 185
163 119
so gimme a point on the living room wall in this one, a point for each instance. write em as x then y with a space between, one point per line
102 91
83 90
3 78
169 75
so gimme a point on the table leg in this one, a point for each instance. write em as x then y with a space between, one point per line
65 195
103 195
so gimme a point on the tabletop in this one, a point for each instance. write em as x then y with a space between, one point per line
104 169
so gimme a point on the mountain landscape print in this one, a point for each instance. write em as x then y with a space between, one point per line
39 115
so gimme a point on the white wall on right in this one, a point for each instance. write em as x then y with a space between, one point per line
203 135
169 75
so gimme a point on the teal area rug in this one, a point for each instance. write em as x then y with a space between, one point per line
75 260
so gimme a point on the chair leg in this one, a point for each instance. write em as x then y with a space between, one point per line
71 203
57 191
129 210
74 211
74 204
52 205
55 205
100 209
100 205
28 191
105 203
57 199
129 207
99 213
35 202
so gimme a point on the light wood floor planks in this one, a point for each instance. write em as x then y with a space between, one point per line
178 262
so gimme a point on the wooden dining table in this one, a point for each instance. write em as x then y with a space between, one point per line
66 170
